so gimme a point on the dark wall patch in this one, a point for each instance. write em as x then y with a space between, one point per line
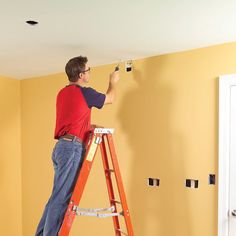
191 183
153 182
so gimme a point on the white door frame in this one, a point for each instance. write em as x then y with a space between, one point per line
225 84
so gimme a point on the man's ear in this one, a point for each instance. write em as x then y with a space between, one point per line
80 75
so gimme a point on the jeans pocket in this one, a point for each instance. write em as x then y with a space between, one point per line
64 152
65 155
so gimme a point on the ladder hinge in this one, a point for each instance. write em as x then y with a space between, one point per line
98 140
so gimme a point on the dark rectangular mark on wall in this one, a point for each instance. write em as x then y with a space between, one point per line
153 182
191 183
212 179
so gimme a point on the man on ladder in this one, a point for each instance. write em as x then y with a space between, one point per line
73 112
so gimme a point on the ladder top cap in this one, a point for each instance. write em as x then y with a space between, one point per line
103 131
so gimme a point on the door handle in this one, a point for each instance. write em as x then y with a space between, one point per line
233 213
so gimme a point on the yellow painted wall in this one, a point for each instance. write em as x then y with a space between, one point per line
38 108
10 158
166 121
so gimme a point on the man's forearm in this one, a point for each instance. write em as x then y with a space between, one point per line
111 93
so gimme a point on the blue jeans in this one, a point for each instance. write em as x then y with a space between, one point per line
67 160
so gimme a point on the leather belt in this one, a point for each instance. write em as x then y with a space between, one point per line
70 137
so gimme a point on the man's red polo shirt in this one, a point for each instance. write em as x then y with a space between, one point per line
73 110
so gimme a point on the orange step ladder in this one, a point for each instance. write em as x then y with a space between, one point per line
100 137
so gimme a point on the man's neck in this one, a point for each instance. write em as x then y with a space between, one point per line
76 83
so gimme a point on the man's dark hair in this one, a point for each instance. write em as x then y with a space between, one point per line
74 67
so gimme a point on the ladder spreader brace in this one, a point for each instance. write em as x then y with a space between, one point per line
99 137
93 212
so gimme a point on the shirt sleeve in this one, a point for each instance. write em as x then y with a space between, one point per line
93 98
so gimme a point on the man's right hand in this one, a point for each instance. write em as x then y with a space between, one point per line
114 77
110 94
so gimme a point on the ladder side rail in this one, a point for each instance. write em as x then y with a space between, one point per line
120 184
109 185
79 186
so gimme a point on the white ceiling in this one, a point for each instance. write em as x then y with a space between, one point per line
106 31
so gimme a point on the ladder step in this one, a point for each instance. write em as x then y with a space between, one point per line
122 232
103 131
110 170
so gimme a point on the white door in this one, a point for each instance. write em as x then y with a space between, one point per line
227 157
232 163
